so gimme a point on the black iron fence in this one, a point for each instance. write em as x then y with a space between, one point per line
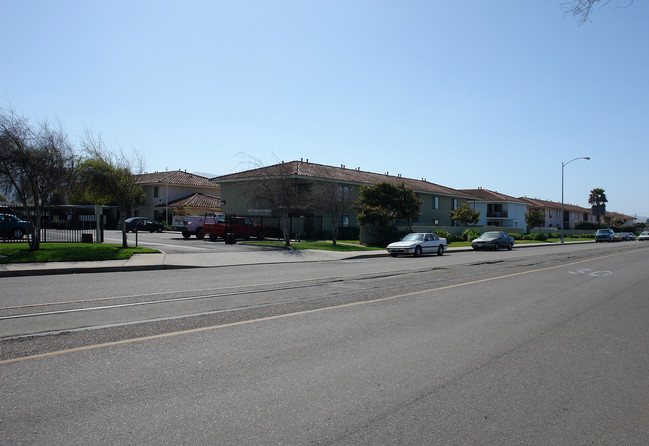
298 227
59 224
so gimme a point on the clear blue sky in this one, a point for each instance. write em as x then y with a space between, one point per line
464 93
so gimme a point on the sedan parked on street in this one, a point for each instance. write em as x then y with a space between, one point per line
135 224
418 243
644 236
493 241
605 235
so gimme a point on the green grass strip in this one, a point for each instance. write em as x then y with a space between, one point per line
67 252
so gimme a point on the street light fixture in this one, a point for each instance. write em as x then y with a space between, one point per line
562 166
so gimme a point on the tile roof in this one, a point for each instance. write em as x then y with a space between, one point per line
614 215
545 204
489 195
175 177
197 200
302 169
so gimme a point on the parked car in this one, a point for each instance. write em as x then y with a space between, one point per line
136 224
418 243
629 236
605 235
493 240
12 226
643 236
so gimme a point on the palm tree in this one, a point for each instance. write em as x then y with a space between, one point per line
597 198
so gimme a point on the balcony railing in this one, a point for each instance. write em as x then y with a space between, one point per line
502 214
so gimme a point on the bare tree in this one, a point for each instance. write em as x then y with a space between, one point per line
35 164
335 200
581 9
276 188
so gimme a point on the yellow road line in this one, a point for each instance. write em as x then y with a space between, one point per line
299 313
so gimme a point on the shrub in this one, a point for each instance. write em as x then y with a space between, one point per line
516 236
540 237
443 234
350 233
588 225
469 234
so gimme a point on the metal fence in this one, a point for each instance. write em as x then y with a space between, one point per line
299 227
59 224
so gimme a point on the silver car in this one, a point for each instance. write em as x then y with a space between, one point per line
418 243
493 241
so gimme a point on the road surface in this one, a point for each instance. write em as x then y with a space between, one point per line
533 346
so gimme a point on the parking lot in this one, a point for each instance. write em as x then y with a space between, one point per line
172 242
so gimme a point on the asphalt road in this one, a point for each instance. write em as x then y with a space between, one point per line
533 346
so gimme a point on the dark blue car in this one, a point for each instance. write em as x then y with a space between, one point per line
12 226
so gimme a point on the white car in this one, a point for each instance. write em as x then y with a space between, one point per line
644 236
418 243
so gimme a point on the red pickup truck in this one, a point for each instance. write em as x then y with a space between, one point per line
239 226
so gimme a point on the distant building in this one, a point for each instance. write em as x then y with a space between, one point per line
166 188
571 213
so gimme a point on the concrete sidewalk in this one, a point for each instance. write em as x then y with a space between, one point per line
143 262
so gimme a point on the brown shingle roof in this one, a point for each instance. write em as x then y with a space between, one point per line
301 169
175 177
197 200
489 195
544 204
614 215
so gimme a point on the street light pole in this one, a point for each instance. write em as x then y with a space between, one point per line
562 166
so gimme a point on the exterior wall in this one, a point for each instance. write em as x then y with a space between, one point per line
234 201
515 214
436 217
554 222
552 218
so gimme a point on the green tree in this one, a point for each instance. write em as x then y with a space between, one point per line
383 203
464 214
535 218
106 178
408 204
597 199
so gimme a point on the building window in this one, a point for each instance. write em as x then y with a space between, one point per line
344 221
156 192
454 204
550 214
435 202
435 222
